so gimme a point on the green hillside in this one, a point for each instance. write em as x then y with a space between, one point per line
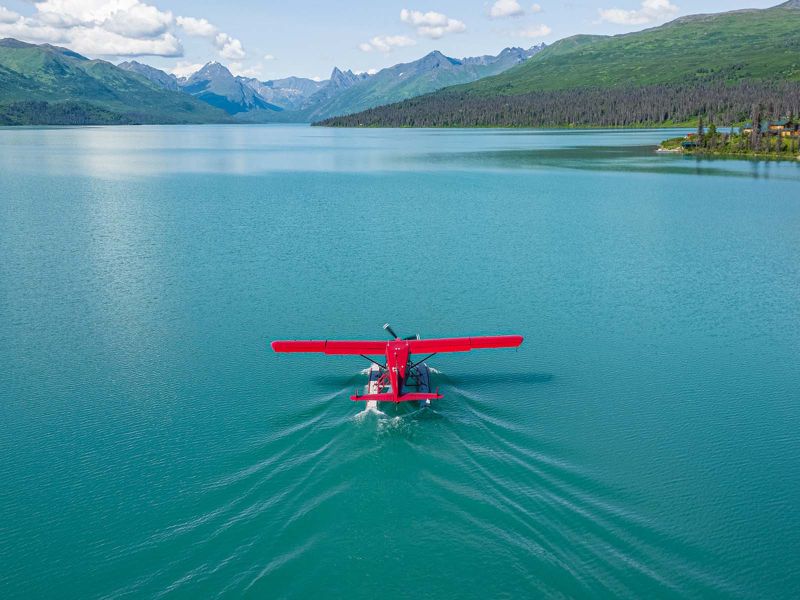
89 90
749 44
718 56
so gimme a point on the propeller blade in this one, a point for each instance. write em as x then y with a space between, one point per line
390 331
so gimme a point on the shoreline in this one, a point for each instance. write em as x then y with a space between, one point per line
759 155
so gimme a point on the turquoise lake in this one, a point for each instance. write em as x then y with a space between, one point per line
642 443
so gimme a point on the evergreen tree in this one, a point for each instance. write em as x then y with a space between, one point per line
601 107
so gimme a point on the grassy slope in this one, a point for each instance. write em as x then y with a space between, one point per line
733 46
55 75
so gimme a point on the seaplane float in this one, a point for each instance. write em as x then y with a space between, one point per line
398 377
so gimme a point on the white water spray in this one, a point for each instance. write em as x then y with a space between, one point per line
372 388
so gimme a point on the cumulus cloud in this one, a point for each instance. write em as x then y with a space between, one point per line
97 27
229 47
269 57
8 16
185 68
431 24
252 72
535 31
386 43
139 21
197 27
650 11
113 28
536 8
506 8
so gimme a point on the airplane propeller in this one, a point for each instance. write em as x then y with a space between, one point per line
390 331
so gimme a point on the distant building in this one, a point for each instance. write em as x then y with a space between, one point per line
785 127
748 128
782 127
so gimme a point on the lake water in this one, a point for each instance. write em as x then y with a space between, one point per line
642 443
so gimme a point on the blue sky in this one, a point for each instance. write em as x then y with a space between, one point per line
270 39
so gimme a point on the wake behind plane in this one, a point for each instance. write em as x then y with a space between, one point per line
399 378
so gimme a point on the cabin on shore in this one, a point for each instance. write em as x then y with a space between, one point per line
781 127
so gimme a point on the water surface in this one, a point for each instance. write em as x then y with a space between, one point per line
642 442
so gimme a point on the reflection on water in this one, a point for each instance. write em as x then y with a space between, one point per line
624 158
254 149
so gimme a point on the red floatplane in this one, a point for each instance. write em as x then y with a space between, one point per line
399 378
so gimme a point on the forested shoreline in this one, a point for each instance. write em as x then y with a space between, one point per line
77 113
759 138
656 105
60 113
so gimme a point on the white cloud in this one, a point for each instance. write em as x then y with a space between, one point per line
536 8
229 47
8 16
113 28
431 24
128 18
185 68
253 71
29 30
535 31
97 27
506 8
197 27
269 57
386 43
650 11
101 42
140 21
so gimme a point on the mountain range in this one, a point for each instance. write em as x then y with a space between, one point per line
44 84
428 74
303 100
713 64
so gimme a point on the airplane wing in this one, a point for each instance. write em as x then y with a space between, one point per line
465 344
330 347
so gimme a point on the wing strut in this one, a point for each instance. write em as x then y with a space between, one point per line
374 362
418 363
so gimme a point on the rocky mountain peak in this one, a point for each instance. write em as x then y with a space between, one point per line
212 70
